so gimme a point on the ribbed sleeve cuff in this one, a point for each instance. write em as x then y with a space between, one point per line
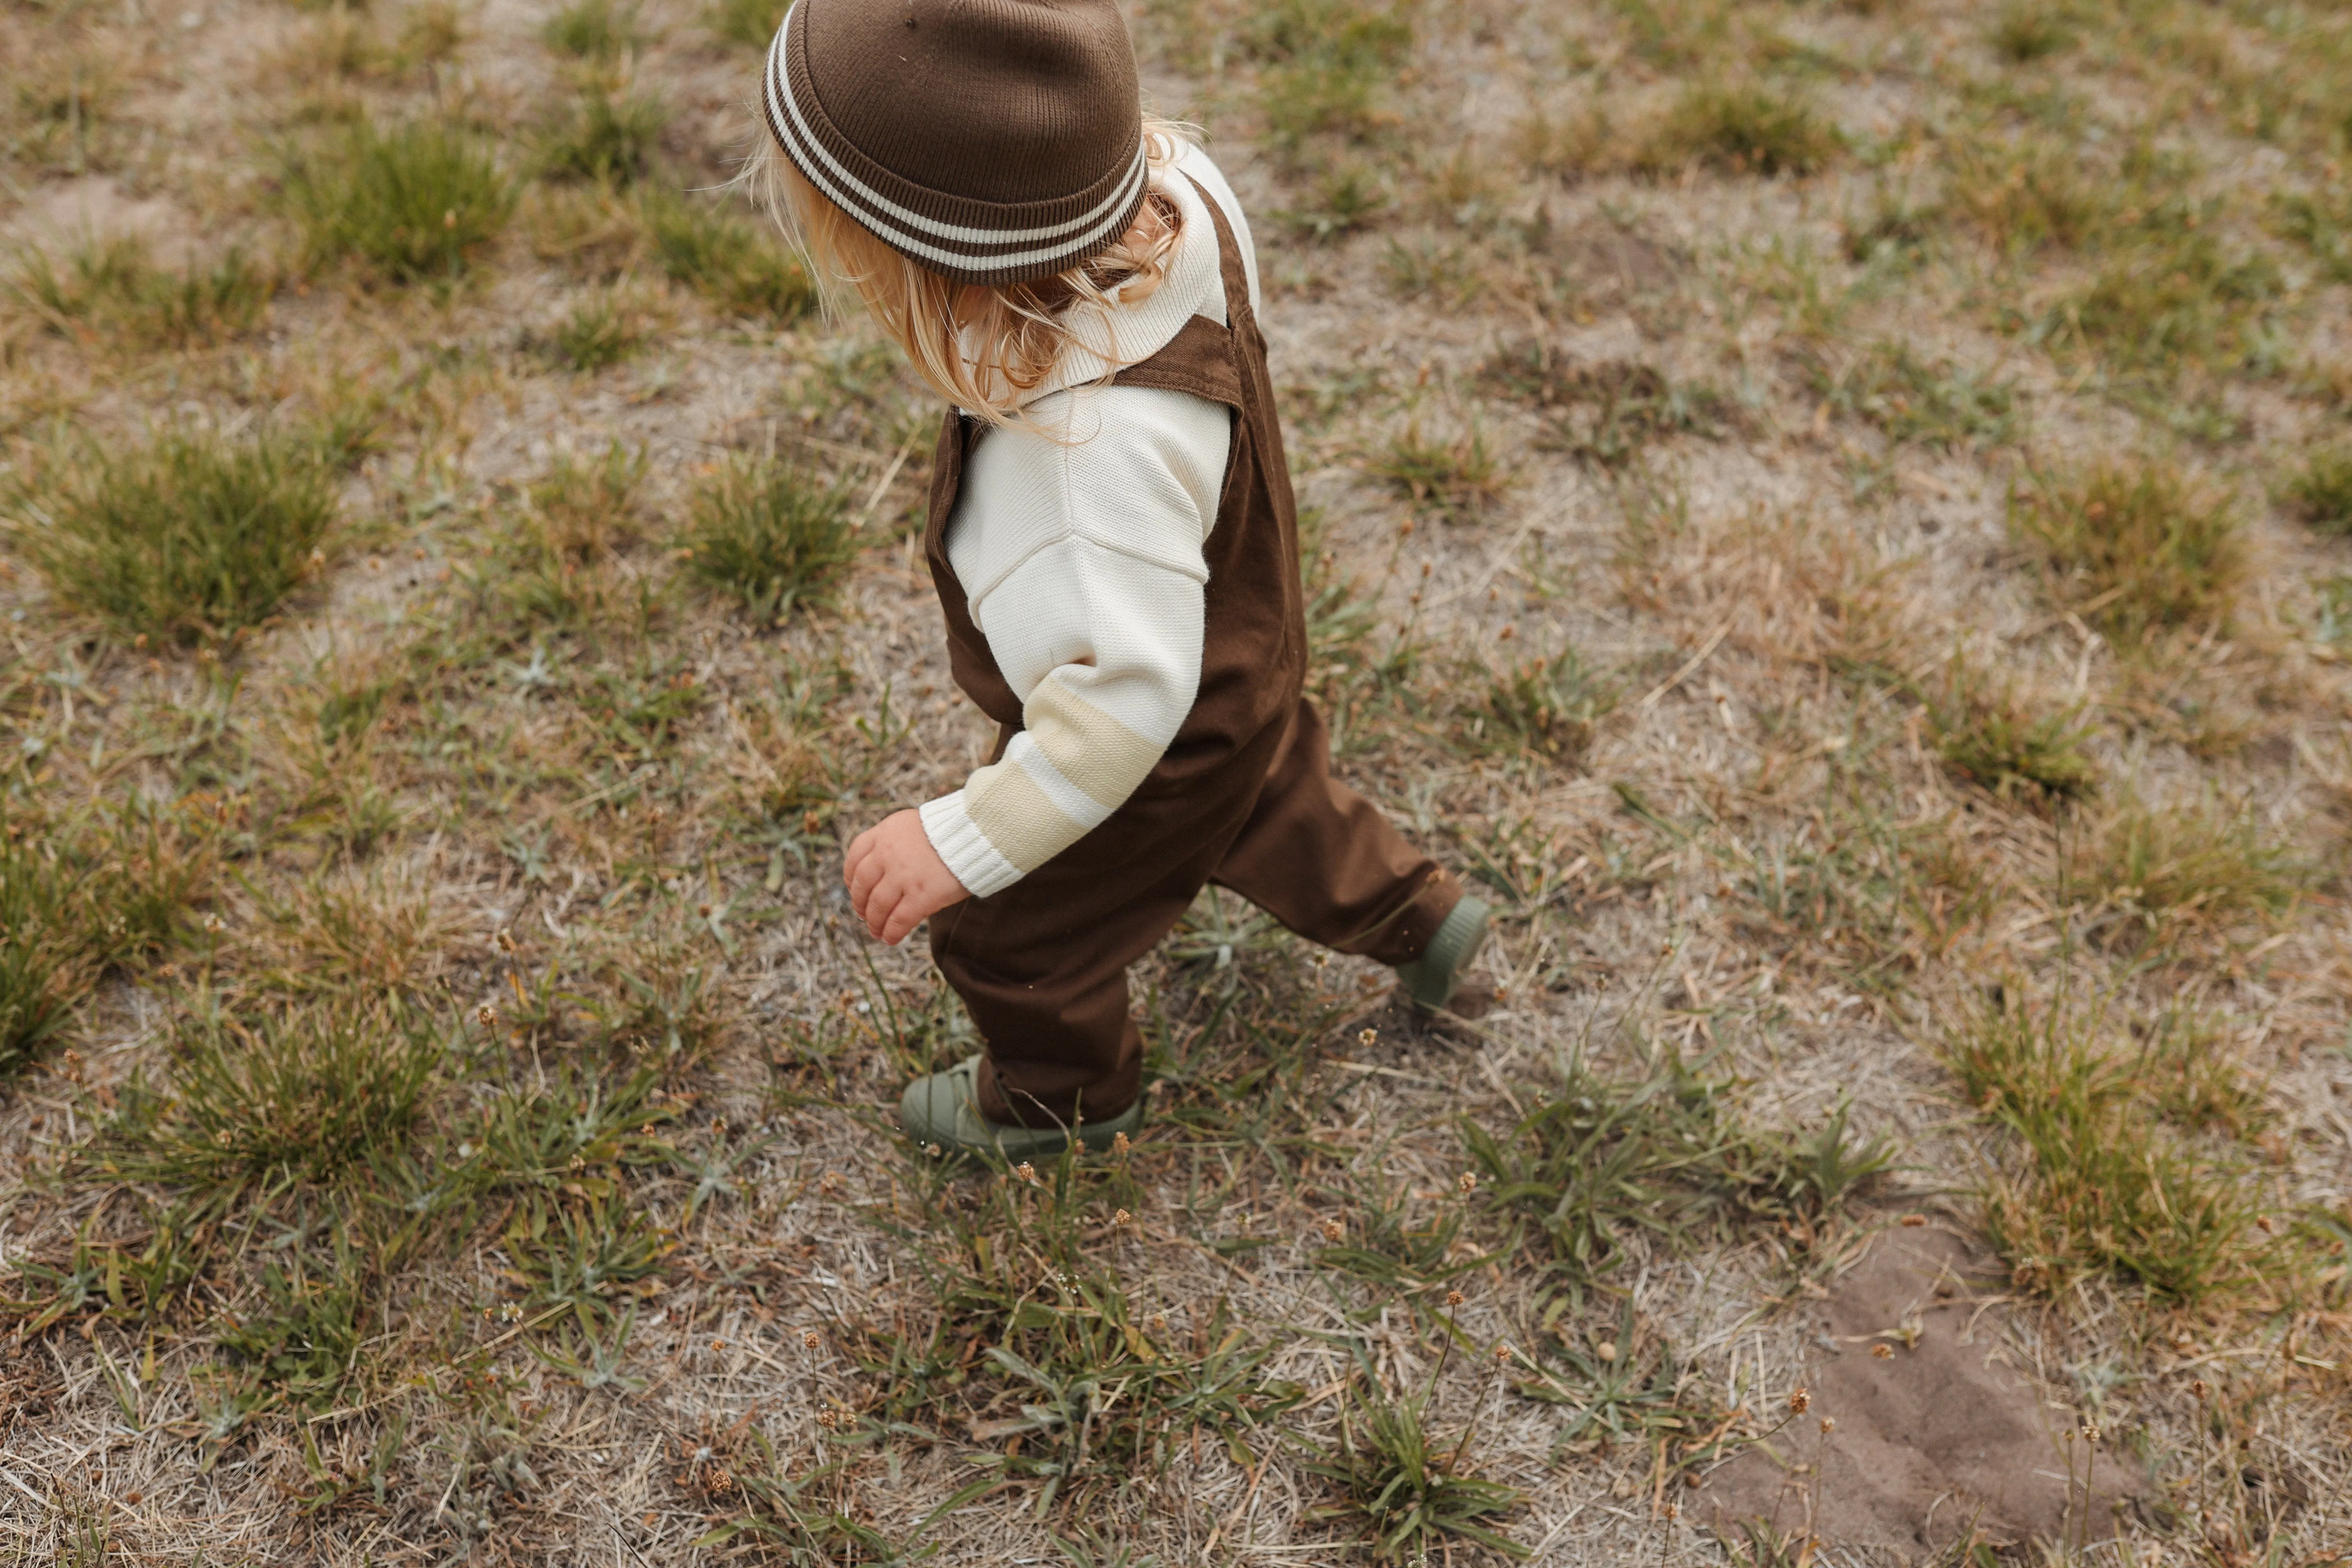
974 860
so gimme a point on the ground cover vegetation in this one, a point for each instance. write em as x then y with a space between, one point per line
1832 516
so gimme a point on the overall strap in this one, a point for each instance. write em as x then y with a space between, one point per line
1200 358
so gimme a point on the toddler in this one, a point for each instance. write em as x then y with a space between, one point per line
1112 535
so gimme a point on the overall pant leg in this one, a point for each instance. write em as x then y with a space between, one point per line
1041 967
1322 860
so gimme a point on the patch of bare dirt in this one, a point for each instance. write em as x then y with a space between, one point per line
1940 1435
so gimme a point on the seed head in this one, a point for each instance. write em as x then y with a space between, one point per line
2091 1432
1119 1145
1914 1221
1503 1351
1827 1426
1882 1353
933 1150
1333 1230
1121 1217
810 1340
2201 1388
1454 1298
486 1016
1799 1402
1467 1181
1673 1512
1025 1170
1369 1039
506 941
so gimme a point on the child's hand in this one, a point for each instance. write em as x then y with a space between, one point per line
896 881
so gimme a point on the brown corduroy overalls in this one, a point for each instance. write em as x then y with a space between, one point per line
1244 797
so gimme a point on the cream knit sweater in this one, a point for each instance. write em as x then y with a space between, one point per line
1080 552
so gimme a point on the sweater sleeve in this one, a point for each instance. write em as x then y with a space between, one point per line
1080 555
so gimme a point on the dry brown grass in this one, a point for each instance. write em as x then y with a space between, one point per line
1805 515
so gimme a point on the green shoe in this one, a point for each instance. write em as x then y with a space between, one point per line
942 1113
1431 980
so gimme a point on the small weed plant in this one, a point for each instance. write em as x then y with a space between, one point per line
2090 1184
1740 127
1550 707
593 29
414 201
1458 480
2135 548
609 137
2320 491
2156 872
1993 737
114 287
39 971
193 537
768 534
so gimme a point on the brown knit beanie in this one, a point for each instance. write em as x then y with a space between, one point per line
992 141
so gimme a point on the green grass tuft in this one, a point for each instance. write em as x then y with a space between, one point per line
113 287
414 201
1993 738
751 23
1400 1478
2029 30
726 258
1664 1151
1324 66
2156 873
1550 707
595 334
593 29
2136 549
1932 402
605 137
2090 1184
2320 492
39 973
766 534
190 537
1458 480
313 1092
1741 129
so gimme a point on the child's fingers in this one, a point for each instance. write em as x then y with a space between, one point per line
882 908
869 873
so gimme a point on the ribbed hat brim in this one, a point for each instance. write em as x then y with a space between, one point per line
970 241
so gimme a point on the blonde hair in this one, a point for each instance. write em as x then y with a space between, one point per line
985 348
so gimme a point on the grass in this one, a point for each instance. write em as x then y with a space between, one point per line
2135 548
2089 1185
2157 874
593 29
2029 30
725 257
594 335
190 538
479 893
751 23
2319 493
1458 480
416 202
1662 1150
768 535
1740 127
1930 402
1548 707
112 288
317 1091
1994 738
1325 66
1606 413
605 137
40 976
1400 1478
